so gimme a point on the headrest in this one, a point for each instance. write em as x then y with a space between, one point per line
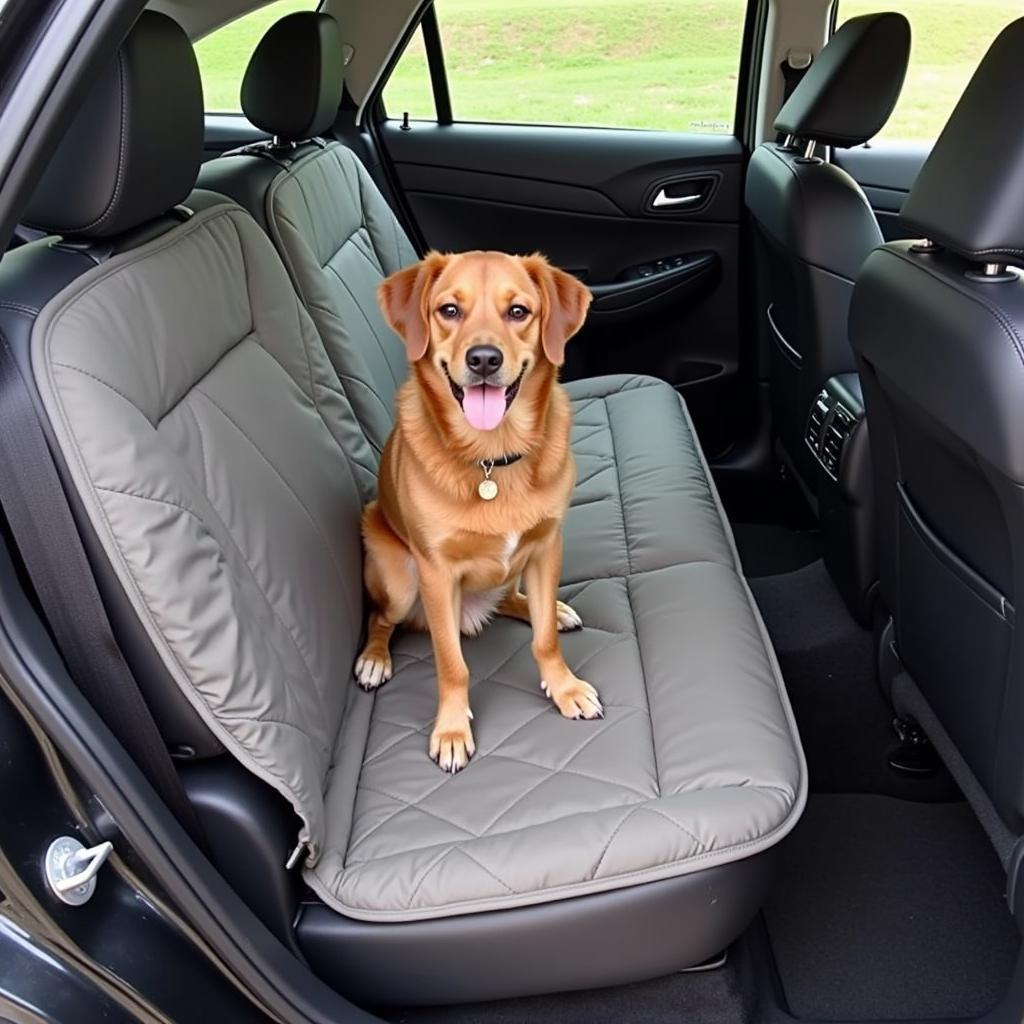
132 151
969 195
849 91
292 86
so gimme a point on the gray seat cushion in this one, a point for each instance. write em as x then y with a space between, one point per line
696 762
207 432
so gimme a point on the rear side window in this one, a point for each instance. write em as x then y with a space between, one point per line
224 54
671 65
948 40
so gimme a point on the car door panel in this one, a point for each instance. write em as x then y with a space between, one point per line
664 277
886 170
224 132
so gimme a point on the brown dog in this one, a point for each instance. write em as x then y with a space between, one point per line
476 475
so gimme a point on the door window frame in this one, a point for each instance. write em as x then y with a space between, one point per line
426 21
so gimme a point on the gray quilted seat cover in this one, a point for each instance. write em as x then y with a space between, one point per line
208 432
339 240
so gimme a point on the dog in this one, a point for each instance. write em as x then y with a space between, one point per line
476 476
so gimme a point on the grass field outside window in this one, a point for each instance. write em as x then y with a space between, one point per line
669 64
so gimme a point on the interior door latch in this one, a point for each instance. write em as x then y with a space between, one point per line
71 869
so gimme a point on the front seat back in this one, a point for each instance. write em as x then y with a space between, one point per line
938 328
815 226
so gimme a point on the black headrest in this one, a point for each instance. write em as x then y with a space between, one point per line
969 195
849 91
292 86
132 151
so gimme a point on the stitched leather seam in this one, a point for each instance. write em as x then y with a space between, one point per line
17 307
106 384
1011 334
330 266
659 870
682 828
121 150
503 884
647 695
199 519
618 484
607 846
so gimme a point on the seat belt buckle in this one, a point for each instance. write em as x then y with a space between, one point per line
300 852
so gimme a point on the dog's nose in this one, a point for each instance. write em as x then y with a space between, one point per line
484 359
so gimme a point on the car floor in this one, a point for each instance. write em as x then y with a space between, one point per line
888 904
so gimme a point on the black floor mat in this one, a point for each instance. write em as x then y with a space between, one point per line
827 661
889 910
709 997
767 549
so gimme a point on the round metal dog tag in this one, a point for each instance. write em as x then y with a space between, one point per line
487 489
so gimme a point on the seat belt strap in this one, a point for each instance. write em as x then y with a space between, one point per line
47 538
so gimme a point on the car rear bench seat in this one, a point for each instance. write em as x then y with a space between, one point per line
207 438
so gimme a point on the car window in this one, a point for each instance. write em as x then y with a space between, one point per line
670 65
225 52
948 40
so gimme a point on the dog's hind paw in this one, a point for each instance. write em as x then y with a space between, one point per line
568 618
372 670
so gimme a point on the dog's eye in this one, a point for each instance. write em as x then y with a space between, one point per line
450 311
517 312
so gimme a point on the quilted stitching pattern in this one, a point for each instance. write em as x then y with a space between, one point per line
340 240
692 764
234 405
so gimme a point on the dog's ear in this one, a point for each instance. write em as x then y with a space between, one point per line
566 301
403 301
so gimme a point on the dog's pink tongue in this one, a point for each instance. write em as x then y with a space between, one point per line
484 406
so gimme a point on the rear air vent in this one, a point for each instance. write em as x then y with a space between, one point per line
819 413
829 426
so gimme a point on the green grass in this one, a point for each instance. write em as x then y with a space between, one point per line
668 64
224 53
948 39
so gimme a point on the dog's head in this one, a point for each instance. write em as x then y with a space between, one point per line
484 330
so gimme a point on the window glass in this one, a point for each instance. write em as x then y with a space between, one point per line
671 64
408 90
224 54
948 40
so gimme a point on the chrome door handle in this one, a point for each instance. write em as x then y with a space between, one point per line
664 199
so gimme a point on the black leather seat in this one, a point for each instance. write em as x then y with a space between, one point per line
815 225
938 328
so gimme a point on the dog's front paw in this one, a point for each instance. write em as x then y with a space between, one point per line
373 669
451 742
568 618
574 698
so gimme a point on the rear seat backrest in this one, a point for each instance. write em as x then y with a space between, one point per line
333 228
203 427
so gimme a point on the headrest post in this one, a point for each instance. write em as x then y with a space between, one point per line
787 142
993 269
809 149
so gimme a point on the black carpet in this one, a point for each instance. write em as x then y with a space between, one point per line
888 910
827 661
710 997
767 549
